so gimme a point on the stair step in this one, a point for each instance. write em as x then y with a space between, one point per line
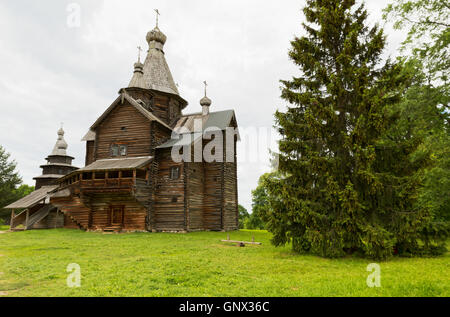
17 229
112 229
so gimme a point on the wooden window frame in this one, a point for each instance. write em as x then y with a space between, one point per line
114 147
123 147
171 172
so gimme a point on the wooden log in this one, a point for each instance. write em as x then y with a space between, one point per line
239 242
11 225
26 219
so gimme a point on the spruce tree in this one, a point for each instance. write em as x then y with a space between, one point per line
348 184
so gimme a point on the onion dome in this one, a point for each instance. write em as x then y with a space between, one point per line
139 67
205 101
138 77
61 144
157 36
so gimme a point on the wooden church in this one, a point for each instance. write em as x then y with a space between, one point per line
131 181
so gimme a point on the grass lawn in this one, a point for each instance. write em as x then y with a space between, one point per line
33 263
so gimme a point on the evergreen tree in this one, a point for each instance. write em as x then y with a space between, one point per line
348 183
10 180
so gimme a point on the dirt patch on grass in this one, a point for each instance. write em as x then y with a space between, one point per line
2 232
3 293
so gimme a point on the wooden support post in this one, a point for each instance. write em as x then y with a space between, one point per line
26 220
11 224
134 176
120 177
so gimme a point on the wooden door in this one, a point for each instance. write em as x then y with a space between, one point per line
117 213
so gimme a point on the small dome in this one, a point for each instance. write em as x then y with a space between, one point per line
156 35
205 101
61 144
138 67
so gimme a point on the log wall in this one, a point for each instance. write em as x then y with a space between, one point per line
135 134
90 149
169 207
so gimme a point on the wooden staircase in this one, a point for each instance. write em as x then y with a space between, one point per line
21 222
38 216
75 209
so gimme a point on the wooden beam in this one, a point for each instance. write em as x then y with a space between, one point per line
26 219
245 242
11 224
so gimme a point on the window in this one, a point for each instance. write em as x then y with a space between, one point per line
174 199
119 150
114 150
123 150
175 172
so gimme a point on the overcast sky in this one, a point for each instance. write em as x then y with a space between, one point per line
52 73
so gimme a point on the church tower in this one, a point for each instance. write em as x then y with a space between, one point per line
152 84
58 163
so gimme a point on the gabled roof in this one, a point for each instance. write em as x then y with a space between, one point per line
38 196
190 125
90 135
219 120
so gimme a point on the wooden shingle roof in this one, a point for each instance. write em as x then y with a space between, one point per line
38 196
117 164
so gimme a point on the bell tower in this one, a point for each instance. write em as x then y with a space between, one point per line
58 163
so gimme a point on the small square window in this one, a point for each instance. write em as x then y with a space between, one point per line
123 150
174 199
175 172
114 150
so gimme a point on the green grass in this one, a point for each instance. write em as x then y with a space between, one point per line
34 263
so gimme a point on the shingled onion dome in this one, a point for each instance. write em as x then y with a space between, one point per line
157 75
61 144
205 102
138 77
156 39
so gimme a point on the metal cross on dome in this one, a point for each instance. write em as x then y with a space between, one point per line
139 53
206 84
157 15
